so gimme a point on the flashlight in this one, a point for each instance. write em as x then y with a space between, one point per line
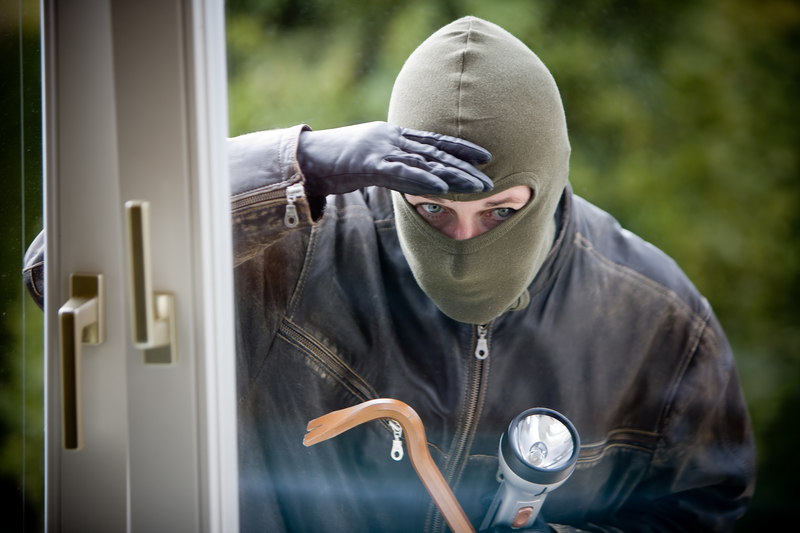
537 454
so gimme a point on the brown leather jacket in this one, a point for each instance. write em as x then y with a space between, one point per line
615 337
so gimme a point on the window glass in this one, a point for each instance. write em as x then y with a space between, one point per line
682 120
21 321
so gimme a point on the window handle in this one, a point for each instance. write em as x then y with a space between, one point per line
152 313
80 322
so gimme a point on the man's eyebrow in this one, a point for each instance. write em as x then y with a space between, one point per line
507 200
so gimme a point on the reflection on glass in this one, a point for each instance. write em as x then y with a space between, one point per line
21 321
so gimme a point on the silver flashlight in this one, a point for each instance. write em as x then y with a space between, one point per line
537 454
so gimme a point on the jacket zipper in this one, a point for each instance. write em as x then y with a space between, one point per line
346 376
397 443
457 458
481 353
482 345
291 194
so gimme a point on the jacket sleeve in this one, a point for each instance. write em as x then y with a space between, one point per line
268 199
702 474
271 217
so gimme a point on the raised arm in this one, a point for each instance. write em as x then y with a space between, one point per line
280 178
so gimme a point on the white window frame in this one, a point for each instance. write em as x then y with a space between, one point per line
135 107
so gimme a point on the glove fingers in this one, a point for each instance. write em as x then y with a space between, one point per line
456 179
462 149
406 175
433 154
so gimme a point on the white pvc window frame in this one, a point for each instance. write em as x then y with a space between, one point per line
144 468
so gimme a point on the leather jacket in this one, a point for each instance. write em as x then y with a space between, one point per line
615 337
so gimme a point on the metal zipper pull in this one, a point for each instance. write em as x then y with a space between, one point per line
293 192
397 444
482 348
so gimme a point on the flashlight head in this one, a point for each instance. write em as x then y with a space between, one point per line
540 446
538 453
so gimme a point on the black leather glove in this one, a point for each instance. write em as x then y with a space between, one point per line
342 160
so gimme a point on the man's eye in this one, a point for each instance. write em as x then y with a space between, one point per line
433 209
503 212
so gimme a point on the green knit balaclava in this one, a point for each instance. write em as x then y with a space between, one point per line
474 80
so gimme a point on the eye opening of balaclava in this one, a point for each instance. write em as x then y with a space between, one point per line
479 242
473 80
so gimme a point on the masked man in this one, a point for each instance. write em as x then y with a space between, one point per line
471 299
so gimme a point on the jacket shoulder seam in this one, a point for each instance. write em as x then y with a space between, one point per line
649 283
696 336
698 322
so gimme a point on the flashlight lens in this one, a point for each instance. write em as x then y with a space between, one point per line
543 441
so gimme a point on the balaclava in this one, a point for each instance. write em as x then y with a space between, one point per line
474 80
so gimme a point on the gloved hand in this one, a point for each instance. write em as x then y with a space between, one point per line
342 160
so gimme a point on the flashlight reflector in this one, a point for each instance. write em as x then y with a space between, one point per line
540 446
543 441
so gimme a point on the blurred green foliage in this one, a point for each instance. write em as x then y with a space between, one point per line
683 119
21 342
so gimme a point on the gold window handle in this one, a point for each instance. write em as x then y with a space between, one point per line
152 313
80 322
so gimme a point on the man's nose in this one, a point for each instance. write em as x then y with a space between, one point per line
465 228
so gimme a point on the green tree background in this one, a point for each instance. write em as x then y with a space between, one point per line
683 119
21 322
